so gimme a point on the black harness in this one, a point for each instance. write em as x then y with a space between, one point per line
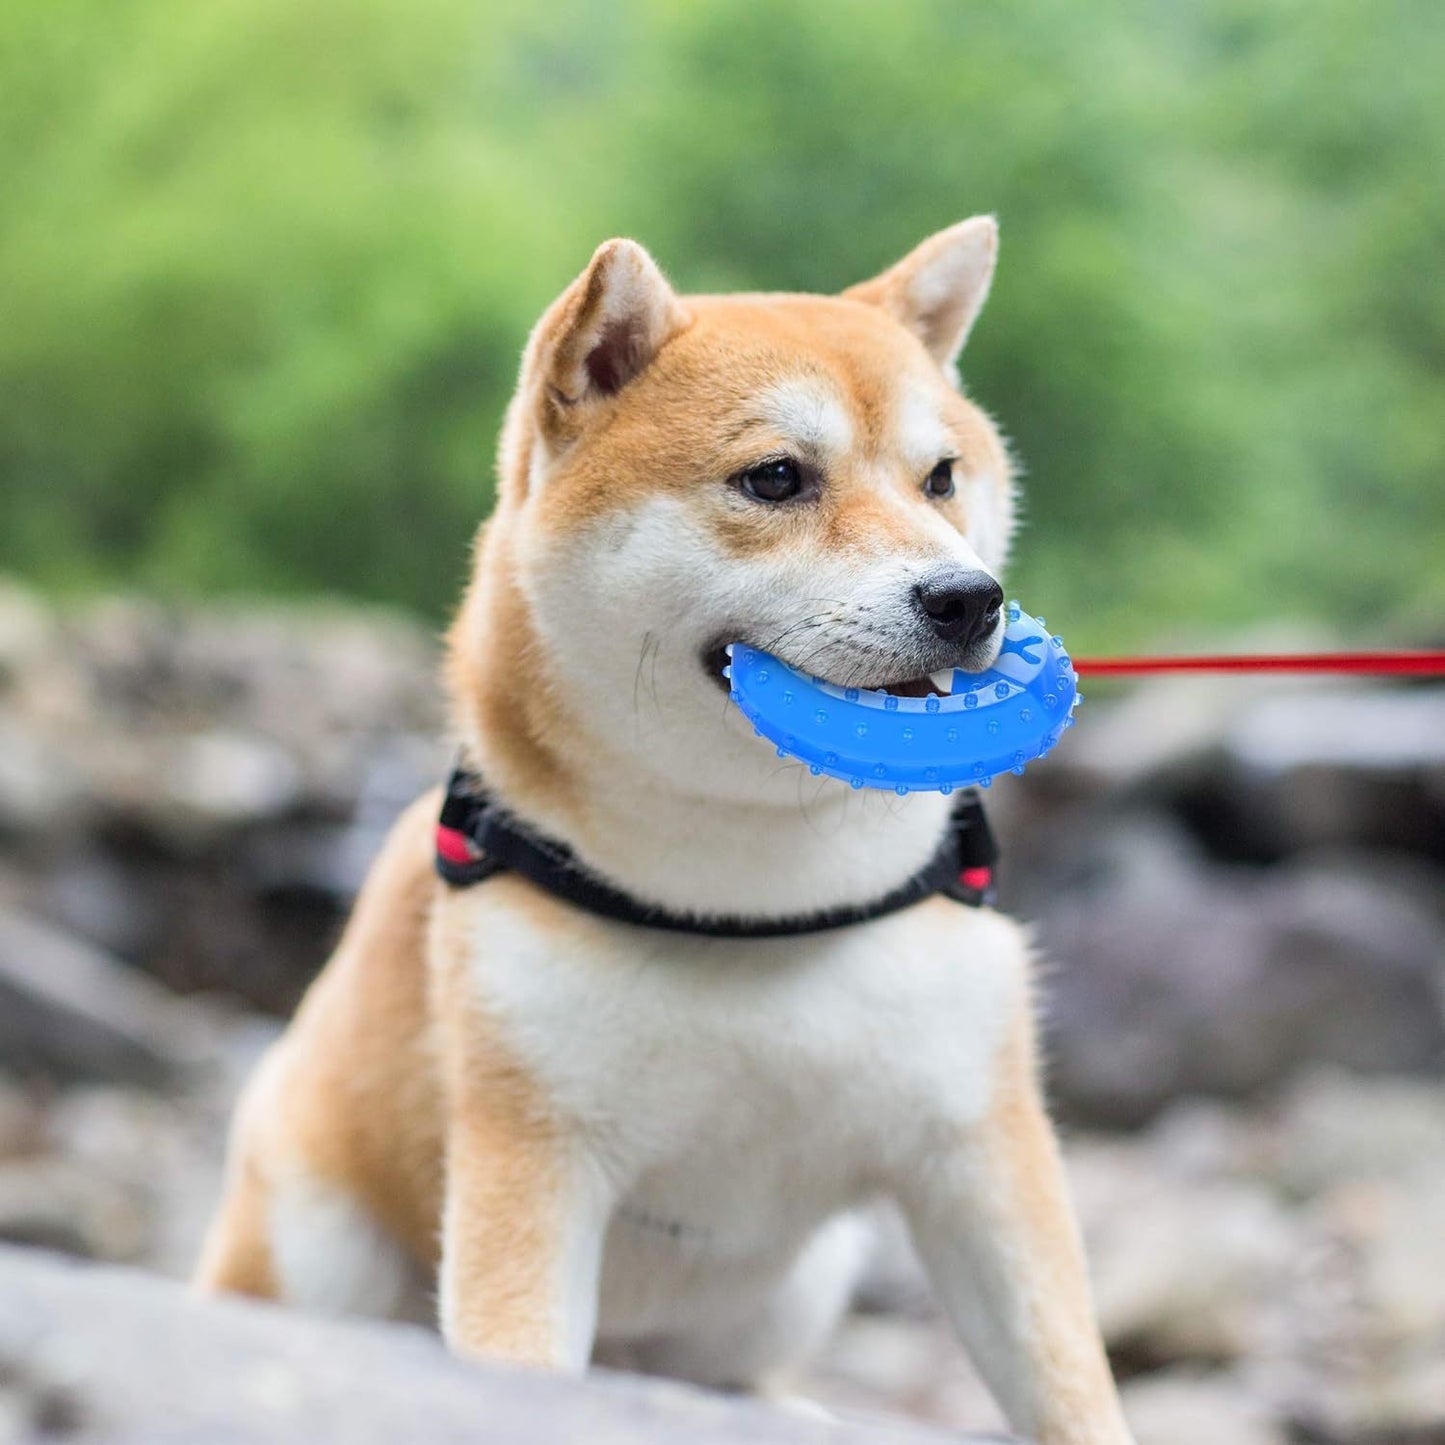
476 838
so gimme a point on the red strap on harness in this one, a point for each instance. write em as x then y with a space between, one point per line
454 845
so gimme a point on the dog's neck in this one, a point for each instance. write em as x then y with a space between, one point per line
795 846
774 860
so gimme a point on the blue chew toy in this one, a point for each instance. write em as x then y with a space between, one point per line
990 723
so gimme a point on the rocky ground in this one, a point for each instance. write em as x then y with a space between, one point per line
190 1371
1268 1274
1239 892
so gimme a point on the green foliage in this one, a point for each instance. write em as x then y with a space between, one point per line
265 270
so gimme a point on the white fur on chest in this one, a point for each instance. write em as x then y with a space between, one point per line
740 1092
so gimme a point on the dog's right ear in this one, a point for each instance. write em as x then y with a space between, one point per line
600 334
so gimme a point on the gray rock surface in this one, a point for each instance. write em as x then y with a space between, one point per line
70 1012
201 791
1265 1275
1218 978
90 1353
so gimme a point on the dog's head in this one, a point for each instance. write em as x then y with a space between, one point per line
797 472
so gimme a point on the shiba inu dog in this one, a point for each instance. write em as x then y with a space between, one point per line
576 1137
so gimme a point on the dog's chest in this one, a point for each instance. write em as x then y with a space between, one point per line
716 1075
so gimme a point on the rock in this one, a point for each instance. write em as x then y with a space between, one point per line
30 795
128 1358
1404 1265
55 1204
223 778
1391 1230
21 1131
1266 769
1156 731
1273 1255
1368 1361
199 794
1172 968
1212 979
69 1011
201 791
893 1281
152 1172
1180 1408
125 1174
1158 1302
91 893
1332 1127
1288 1258
27 632
1405 1405
880 1363
1369 729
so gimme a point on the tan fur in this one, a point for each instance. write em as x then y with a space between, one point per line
351 1094
1024 1155
523 712
502 1166
236 1255
508 1096
679 410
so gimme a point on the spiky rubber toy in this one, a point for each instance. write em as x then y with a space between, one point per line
988 723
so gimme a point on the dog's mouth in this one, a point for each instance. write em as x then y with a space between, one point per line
940 684
933 684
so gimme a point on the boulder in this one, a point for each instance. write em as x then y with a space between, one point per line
1332 1128
1276 1270
902 1364
69 1011
107 1353
1170 975
1158 1303
200 791
1182 1407
1261 770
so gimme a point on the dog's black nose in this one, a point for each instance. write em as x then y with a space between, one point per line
961 606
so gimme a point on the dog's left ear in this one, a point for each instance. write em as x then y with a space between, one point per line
938 289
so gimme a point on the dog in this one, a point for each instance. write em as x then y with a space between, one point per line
577 1137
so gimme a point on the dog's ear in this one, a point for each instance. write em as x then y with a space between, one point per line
603 330
938 289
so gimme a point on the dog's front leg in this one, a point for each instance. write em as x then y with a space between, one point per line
990 1214
521 1244
525 1214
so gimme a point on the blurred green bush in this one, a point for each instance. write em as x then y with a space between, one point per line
265 270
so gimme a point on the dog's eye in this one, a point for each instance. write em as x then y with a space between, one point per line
777 480
939 482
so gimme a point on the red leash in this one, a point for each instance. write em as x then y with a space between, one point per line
1415 664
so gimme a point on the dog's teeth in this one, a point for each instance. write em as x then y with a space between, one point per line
943 681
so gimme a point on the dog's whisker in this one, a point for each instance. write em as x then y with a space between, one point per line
652 674
816 619
637 676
